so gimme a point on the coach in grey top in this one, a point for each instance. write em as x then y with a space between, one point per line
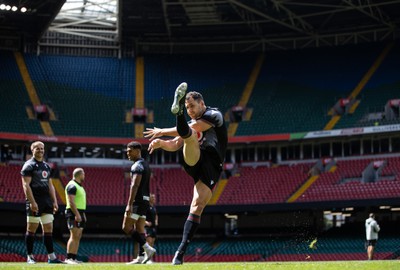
371 229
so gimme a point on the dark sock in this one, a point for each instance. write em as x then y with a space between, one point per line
48 242
141 249
191 224
138 238
71 256
29 239
182 126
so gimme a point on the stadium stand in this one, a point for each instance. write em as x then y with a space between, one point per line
382 87
297 97
172 186
14 99
88 95
345 243
94 85
331 246
195 252
10 184
330 185
263 184
12 249
106 249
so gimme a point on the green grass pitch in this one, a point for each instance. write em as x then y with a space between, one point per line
331 265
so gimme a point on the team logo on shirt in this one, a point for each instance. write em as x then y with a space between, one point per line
45 174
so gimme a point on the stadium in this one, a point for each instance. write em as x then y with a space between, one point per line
309 91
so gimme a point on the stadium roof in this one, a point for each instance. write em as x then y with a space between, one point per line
202 25
25 21
246 25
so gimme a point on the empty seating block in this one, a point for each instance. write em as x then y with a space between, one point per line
329 187
264 185
14 98
11 184
88 95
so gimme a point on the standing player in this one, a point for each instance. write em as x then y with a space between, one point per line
138 202
371 230
75 213
203 141
41 202
151 223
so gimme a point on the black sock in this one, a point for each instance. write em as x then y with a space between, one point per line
48 242
141 249
29 239
191 224
138 238
71 256
182 126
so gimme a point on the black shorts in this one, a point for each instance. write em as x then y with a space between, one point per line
151 232
71 223
45 206
140 208
371 242
208 169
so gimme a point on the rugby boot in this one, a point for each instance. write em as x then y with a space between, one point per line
178 258
179 99
148 254
31 260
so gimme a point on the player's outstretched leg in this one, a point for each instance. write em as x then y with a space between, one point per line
179 99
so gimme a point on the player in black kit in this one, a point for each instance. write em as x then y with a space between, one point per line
138 202
41 201
203 141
